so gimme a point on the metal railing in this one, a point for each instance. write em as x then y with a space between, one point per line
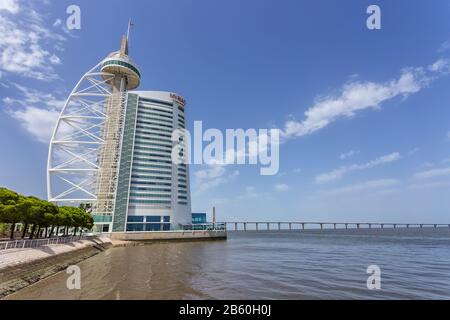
205 227
34 243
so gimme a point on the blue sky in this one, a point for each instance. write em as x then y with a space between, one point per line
375 144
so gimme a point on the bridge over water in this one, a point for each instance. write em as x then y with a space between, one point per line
268 226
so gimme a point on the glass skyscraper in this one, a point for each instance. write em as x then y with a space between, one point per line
153 192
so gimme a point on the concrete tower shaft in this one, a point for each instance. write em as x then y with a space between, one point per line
121 66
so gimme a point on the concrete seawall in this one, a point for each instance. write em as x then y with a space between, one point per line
169 236
20 268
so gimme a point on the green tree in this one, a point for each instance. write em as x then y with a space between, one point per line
58 222
27 210
9 208
66 216
41 215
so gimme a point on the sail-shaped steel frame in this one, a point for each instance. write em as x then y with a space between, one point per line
72 165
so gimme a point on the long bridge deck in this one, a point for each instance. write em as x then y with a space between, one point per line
267 226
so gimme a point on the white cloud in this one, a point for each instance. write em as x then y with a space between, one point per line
37 112
365 186
57 23
429 185
413 151
341 171
440 65
348 154
250 193
358 96
211 172
427 164
34 97
282 187
38 122
433 173
55 59
25 42
213 176
444 46
9 5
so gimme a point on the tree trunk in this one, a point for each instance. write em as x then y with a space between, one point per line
13 228
75 231
51 231
38 231
24 232
46 232
57 231
32 231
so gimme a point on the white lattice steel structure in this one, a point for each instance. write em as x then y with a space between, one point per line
84 151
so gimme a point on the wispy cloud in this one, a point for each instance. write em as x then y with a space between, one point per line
413 151
9 5
25 42
378 185
213 176
36 111
250 193
358 96
38 122
429 185
348 154
342 171
444 46
282 187
433 173
57 23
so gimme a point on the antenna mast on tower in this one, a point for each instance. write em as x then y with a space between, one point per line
130 24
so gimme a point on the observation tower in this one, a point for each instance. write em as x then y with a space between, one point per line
112 148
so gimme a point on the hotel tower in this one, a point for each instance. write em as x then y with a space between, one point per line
112 149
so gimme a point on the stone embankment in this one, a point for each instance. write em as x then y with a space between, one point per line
20 268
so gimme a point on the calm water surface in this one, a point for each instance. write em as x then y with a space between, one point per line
267 265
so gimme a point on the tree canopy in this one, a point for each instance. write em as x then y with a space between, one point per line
40 215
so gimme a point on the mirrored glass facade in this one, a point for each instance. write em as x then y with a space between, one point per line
153 193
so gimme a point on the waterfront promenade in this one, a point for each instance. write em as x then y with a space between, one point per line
21 267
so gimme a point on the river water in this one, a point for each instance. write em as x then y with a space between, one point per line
314 264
